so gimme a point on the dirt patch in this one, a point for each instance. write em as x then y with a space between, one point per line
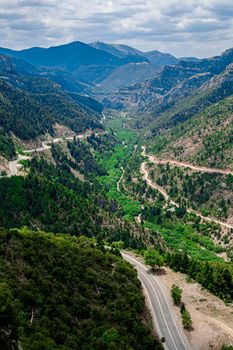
77 174
4 166
62 131
212 319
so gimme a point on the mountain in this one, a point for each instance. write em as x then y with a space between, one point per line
128 74
32 114
119 50
205 137
30 105
68 56
169 84
140 96
85 62
109 66
159 59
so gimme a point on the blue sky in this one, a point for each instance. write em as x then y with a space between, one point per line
184 28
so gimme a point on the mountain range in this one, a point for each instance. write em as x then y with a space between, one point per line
96 63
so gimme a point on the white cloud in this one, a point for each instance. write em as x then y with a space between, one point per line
190 27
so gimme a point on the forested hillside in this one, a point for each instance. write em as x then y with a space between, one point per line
61 193
62 292
30 106
31 114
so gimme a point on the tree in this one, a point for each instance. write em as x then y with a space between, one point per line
186 318
153 259
176 293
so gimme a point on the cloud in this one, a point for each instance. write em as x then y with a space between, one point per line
190 27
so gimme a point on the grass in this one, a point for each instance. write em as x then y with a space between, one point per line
112 165
182 237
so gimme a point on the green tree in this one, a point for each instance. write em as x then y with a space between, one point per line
153 259
186 319
176 293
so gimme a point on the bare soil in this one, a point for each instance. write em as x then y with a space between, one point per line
212 319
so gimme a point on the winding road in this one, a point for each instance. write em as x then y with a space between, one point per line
197 168
145 172
15 166
164 319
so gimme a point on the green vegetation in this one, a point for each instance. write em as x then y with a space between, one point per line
62 292
200 191
217 277
153 259
209 134
30 106
113 163
186 318
176 293
53 199
192 251
7 148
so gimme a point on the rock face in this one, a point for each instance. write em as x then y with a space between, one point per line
172 83
6 65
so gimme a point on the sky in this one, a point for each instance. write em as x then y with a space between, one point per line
200 28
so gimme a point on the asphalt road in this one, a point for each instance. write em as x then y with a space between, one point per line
160 307
15 166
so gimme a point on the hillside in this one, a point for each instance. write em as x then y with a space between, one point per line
172 83
61 292
30 106
159 59
205 139
129 74
81 61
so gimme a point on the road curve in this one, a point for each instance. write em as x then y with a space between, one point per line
146 177
163 317
15 166
201 169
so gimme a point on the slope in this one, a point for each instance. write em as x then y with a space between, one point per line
60 292
204 139
30 105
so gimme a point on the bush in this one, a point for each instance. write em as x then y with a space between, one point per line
176 293
186 318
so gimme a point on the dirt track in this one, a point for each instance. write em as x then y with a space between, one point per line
145 172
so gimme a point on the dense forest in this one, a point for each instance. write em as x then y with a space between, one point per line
62 292
31 114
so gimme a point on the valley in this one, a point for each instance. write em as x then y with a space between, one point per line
109 155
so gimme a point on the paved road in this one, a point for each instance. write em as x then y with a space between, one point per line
15 165
160 306
146 176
